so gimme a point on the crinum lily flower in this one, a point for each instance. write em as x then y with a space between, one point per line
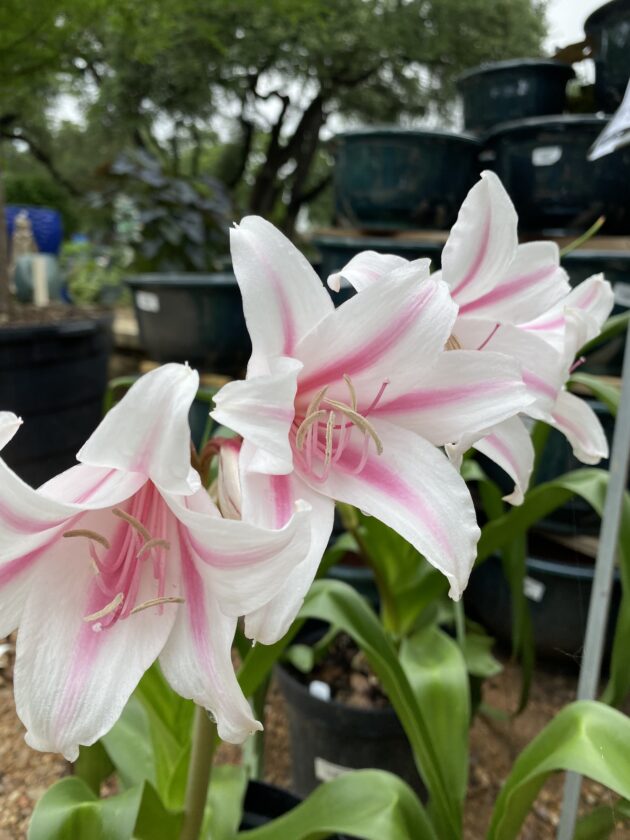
512 299
123 559
9 424
350 404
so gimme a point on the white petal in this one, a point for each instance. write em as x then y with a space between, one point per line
366 268
414 489
532 283
147 431
283 298
245 565
261 410
197 662
464 392
71 682
381 334
268 501
9 424
544 370
482 242
580 425
510 446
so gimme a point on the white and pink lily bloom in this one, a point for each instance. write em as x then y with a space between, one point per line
350 404
9 424
123 559
512 299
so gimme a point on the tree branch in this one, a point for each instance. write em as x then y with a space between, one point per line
41 155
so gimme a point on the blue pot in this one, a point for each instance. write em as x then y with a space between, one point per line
45 223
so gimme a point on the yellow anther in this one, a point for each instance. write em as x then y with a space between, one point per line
156 542
131 520
109 608
155 602
353 393
359 421
330 427
90 535
306 424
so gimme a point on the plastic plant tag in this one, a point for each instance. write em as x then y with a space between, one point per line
533 589
326 770
546 155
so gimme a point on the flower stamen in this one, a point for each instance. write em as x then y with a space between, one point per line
135 523
156 542
90 535
156 602
107 609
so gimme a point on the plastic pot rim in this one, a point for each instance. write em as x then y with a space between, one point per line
420 133
513 64
182 280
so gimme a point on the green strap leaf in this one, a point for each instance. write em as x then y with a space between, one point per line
436 669
70 809
341 606
586 737
368 804
603 389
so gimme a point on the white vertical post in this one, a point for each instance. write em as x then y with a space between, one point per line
602 582
41 296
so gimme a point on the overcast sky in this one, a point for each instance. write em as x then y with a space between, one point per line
566 20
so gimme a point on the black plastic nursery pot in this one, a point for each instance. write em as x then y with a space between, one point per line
542 164
606 360
558 595
328 738
501 91
195 318
336 251
264 803
54 376
609 31
393 178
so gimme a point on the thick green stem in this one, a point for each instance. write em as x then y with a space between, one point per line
388 606
460 624
205 741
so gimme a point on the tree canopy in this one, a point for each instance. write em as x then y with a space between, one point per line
246 90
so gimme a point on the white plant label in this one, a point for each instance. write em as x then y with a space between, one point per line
546 155
326 770
533 589
147 301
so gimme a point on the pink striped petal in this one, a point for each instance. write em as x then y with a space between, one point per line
9 424
283 297
532 283
543 369
244 565
372 337
261 410
197 661
414 489
268 501
463 392
71 682
367 268
482 243
147 432
509 445
580 425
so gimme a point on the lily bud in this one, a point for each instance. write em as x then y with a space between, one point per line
229 482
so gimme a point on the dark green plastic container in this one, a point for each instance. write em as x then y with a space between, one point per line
195 318
606 360
337 251
558 595
502 91
609 30
54 376
542 164
393 178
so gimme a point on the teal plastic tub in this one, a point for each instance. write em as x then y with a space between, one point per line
393 178
542 164
501 91
609 31
195 318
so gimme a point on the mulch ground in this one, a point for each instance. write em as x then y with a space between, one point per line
25 774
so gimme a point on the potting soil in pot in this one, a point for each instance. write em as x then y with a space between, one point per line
355 728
